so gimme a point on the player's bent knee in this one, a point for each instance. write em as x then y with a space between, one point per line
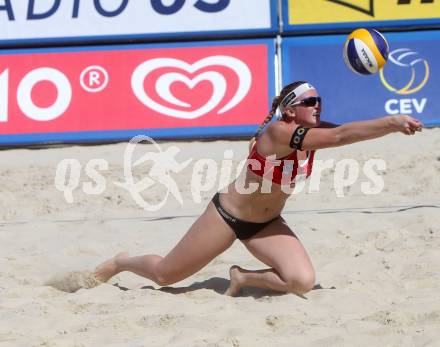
162 278
301 283
163 281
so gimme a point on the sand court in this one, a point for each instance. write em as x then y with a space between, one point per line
377 256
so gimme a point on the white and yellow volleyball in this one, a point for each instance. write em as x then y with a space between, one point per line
366 51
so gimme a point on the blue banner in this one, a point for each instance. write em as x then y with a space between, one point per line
408 84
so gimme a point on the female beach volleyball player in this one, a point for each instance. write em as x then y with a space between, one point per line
254 218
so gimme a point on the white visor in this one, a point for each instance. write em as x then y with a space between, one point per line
290 98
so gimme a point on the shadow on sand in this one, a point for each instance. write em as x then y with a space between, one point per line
219 285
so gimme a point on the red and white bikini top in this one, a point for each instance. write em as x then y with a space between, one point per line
284 169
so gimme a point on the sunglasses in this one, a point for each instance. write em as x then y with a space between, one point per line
308 102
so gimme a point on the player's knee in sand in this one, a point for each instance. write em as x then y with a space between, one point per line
301 282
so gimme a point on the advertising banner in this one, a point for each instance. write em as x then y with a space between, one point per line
30 21
203 89
322 15
408 84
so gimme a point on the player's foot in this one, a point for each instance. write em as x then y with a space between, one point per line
236 278
110 267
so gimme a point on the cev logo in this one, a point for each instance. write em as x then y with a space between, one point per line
203 70
417 70
407 59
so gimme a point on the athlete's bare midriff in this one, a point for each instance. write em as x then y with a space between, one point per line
260 206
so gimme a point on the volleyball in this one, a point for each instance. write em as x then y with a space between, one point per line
365 51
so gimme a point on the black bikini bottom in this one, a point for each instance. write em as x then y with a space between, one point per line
242 229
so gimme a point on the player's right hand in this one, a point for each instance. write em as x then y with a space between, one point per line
406 124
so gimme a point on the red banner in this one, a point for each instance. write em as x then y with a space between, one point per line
134 87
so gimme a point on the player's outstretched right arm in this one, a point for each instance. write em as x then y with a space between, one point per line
318 138
360 131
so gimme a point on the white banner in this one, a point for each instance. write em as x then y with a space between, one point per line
78 20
